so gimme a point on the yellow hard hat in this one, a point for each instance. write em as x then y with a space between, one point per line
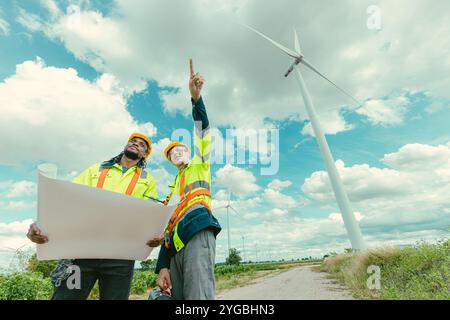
145 138
172 145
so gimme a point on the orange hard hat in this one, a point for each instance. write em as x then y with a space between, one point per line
171 146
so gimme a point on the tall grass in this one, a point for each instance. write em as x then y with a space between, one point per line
418 272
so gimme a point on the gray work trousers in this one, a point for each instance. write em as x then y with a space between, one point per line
192 268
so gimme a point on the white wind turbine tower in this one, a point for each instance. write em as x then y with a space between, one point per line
228 206
348 216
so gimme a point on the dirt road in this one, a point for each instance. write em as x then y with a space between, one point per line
299 283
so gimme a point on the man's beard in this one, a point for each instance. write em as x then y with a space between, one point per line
131 155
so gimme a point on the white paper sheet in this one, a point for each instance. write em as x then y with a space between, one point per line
82 222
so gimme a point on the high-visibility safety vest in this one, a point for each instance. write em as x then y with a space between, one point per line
134 182
193 185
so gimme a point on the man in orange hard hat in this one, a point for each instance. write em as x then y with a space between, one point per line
186 259
124 173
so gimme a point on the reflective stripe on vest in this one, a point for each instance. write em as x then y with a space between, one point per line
131 186
196 185
187 195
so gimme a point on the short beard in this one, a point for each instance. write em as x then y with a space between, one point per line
131 155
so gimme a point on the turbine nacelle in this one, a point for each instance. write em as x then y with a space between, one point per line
291 68
299 58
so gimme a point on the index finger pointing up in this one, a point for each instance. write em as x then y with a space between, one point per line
191 67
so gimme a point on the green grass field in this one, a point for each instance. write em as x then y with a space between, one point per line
419 272
34 284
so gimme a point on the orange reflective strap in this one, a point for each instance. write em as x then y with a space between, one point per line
133 182
176 213
186 210
182 183
101 179
131 186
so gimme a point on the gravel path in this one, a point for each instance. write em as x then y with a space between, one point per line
299 283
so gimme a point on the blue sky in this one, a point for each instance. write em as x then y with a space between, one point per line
77 77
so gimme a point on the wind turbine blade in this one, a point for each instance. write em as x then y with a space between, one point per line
234 209
280 46
297 43
307 64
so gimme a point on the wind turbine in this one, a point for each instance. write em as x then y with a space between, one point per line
228 206
243 249
348 216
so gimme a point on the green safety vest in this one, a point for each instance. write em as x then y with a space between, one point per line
192 184
117 181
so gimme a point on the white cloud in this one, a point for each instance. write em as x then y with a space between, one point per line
4 25
338 217
277 184
420 157
276 212
13 206
240 181
360 181
30 21
330 122
413 194
13 237
245 207
163 179
158 147
244 73
385 112
62 118
279 199
16 189
15 227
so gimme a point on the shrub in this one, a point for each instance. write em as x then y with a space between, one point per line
42 266
25 286
234 257
142 280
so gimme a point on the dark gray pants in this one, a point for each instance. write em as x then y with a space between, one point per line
192 269
114 280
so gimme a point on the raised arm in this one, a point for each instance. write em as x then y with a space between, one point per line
202 138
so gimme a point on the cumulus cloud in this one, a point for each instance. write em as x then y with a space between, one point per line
157 156
277 184
361 182
15 227
419 157
385 112
279 199
244 73
330 122
62 118
16 189
412 195
240 181
13 206
163 179
12 237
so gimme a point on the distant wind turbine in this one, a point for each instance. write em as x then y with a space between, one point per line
348 216
228 206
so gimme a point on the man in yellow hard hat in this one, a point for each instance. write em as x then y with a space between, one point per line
186 259
125 174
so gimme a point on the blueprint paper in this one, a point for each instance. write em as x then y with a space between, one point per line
83 222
